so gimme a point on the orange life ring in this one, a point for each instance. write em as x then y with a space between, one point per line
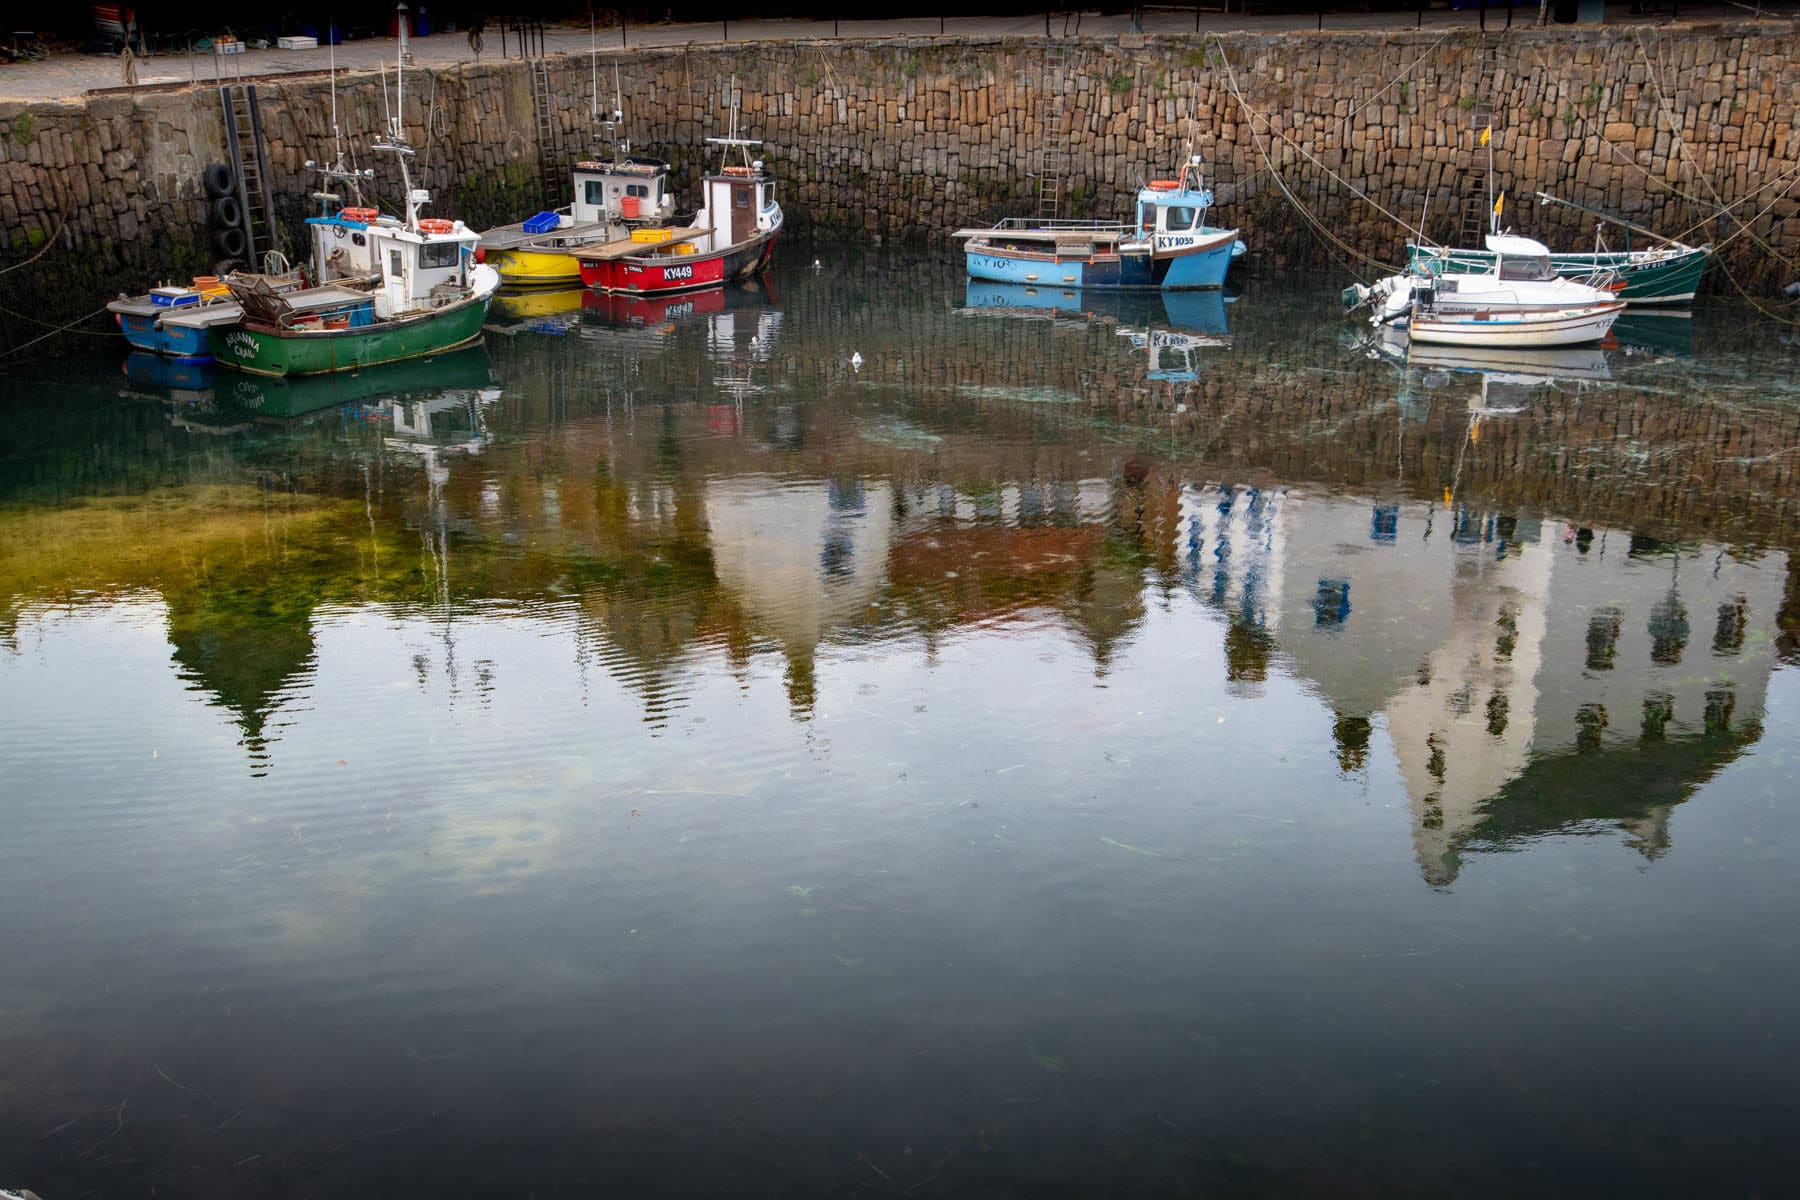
435 225
1164 185
365 215
737 170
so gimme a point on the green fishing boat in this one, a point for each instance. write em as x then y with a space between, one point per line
1665 275
417 290
1668 273
326 329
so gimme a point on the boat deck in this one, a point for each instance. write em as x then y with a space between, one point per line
200 316
514 237
627 248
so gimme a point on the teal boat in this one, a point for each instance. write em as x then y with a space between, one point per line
1667 274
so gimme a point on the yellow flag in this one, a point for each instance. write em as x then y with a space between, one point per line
1486 134
1499 202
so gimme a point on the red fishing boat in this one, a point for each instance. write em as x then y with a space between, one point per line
732 237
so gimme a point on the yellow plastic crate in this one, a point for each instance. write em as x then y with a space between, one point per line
685 248
649 235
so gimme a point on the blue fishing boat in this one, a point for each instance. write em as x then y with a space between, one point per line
1167 244
140 318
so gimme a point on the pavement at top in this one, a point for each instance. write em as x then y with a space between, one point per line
72 76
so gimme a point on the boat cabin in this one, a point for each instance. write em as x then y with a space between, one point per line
628 188
341 248
1169 207
737 204
1519 259
420 268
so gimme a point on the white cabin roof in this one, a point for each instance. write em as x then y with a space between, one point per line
1523 247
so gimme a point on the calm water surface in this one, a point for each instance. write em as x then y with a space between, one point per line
1096 748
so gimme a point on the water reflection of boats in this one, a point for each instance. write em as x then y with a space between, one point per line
1192 312
1670 331
296 396
1534 366
168 378
549 310
744 313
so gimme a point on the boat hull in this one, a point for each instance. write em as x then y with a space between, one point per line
1654 277
147 333
1518 331
524 267
669 274
265 351
1201 267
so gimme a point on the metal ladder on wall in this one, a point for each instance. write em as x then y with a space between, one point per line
548 158
1053 143
250 163
1476 206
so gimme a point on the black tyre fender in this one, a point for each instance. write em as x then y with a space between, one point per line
219 181
230 241
227 213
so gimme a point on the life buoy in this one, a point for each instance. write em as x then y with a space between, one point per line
1164 185
737 170
435 225
365 215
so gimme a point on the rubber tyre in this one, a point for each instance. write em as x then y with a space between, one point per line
227 213
230 242
219 181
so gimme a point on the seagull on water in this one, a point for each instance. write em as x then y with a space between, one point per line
856 361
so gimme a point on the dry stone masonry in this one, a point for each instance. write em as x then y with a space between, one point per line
911 138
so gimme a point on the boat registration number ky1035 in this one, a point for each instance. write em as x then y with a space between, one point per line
678 272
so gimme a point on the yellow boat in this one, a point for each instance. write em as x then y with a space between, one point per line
533 266
615 199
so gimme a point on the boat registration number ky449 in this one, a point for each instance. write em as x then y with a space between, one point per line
678 272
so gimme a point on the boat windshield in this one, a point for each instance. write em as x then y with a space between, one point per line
1178 219
1515 267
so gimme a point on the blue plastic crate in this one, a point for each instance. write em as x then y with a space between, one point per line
543 222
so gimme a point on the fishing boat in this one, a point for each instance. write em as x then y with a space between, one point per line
1167 245
612 198
1668 273
424 293
732 237
140 318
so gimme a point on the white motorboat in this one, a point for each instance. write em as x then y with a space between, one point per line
1519 278
1519 329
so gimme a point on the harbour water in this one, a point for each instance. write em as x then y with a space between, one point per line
1093 747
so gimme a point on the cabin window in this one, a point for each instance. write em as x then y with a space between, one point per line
357 239
1177 219
636 189
743 197
436 255
596 192
394 264
1526 268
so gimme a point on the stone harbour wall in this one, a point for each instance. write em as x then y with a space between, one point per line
1318 145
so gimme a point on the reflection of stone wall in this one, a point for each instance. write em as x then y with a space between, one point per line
918 136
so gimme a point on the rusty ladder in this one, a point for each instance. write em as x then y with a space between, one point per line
249 155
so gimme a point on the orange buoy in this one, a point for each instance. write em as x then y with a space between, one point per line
737 170
435 225
1164 185
365 215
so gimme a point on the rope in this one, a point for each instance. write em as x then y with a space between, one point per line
1318 226
1675 133
49 244
69 328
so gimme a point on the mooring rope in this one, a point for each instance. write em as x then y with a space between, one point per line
69 328
1319 226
